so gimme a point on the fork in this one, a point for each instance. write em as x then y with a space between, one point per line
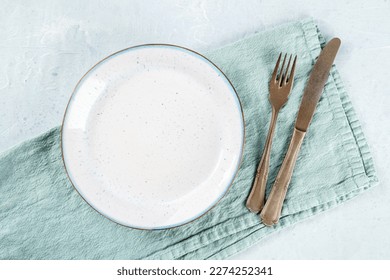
279 90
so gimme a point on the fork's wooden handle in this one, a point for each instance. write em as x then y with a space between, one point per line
273 207
255 201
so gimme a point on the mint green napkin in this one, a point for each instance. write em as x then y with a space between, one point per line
43 217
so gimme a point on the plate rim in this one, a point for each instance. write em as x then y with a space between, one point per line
212 64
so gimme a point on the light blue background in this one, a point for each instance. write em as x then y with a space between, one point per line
46 46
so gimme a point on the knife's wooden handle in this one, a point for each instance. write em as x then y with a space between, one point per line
273 207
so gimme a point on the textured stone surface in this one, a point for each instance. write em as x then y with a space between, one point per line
45 48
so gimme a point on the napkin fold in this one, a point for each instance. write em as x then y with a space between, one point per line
43 217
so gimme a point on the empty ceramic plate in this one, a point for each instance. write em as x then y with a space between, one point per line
153 136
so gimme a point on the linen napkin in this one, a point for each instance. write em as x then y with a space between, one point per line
43 217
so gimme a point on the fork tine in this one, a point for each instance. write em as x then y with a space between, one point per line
276 69
291 76
284 77
281 71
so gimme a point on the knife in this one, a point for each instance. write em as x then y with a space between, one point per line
318 77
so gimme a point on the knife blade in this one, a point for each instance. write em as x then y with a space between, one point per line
312 93
314 88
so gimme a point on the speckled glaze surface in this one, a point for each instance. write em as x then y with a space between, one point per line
153 136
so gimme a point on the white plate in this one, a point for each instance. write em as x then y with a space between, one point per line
153 136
